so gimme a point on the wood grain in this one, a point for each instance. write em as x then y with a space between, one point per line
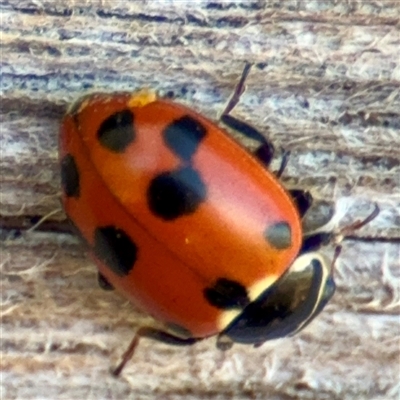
325 85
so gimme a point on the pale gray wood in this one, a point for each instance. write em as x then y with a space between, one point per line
325 85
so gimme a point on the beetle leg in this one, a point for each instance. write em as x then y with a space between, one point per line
224 342
155 334
302 199
316 240
103 282
265 151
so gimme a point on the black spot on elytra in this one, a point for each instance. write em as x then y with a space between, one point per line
279 235
227 294
183 136
115 248
70 176
116 132
176 193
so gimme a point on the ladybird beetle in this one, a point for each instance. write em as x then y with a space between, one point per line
189 225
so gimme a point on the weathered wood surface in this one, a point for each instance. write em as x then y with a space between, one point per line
326 85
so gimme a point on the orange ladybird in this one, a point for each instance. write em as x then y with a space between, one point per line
186 223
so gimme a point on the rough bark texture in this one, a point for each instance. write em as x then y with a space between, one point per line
325 85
